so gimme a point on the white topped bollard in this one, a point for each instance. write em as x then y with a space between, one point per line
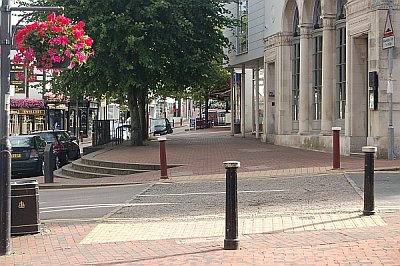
369 201
231 241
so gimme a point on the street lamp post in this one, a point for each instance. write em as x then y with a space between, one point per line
5 146
391 153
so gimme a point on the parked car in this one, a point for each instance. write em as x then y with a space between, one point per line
123 131
160 126
65 146
118 131
27 155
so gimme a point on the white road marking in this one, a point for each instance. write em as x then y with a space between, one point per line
97 206
213 193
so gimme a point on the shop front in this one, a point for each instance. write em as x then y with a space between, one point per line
26 116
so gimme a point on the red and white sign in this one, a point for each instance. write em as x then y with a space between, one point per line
388 26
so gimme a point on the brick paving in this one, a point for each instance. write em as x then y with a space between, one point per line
326 240
61 244
201 154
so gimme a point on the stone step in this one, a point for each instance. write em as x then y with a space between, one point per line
67 170
121 165
79 166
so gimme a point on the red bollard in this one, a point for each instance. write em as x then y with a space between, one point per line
163 158
81 135
336 147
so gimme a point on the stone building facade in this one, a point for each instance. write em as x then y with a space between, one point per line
331 63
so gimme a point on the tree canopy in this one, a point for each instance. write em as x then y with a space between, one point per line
144 46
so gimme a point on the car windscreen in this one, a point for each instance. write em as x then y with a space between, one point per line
21 141
63 136
159 122
48 137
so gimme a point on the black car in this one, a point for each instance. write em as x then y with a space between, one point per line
27 155
65 146
160 126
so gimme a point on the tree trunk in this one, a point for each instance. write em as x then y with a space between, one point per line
206 109
136 128
142 113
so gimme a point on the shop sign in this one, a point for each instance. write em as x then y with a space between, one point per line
27 112
18 84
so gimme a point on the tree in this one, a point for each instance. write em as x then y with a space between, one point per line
214 78
144 46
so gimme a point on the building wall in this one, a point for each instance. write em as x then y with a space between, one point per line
365 21
361 124
256 29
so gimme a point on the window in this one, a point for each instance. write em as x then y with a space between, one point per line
295 66
242 29
317 77
341 12
340 60
317 19
317 62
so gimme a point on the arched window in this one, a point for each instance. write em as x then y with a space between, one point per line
295 69
341 12
296 29
317 20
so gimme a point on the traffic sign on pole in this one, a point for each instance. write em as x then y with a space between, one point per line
388 31
388 42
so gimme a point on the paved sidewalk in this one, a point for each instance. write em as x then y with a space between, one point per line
319 237
201 154
78 243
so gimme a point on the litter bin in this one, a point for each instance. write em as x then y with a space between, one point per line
236 128
24 207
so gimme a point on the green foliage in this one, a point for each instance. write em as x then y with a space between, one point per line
147 44
161 47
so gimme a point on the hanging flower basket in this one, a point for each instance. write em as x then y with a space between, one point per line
56 43
63 65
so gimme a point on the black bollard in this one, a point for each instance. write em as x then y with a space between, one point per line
369 180
231 241
49 163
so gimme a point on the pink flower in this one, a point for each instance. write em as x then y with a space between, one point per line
81 57
88 41
51 41
56 29
79 46
56 59
20 75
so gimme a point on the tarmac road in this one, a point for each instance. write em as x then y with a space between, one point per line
386 187
326 193
85 203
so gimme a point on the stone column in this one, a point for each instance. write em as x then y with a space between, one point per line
243 101
232 101
265 120
253 98
305 87
257 102
328 68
